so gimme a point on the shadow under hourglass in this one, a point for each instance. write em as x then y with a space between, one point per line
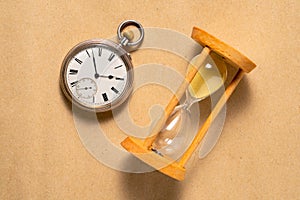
241 99
150 186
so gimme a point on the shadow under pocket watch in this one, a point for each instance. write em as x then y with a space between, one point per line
97 75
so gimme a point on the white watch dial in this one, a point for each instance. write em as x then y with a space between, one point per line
96 76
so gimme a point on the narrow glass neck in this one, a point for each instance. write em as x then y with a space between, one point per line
189 100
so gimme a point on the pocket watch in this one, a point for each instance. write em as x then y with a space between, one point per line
97 75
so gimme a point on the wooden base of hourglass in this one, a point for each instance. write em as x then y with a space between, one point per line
142 148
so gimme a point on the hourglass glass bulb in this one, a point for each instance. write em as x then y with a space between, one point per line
176 134
169 131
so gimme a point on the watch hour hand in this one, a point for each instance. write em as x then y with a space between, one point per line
111 77
103 76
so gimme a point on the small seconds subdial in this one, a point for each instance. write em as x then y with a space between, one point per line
86 88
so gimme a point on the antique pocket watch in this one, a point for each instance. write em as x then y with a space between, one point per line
97 75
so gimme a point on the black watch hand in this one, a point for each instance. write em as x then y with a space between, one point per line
111 77
103 76
96 73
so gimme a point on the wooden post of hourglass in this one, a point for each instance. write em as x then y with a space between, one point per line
142 148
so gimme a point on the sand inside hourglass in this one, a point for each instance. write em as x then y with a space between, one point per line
208 80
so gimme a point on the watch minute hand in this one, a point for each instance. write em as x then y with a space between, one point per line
95 67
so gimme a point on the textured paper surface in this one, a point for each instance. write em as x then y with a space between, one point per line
41 156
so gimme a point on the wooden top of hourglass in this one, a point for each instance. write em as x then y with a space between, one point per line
231 55
142 148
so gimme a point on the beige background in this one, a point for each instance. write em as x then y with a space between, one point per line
41 156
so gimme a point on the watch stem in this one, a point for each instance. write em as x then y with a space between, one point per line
129 35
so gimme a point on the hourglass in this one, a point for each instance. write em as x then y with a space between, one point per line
160 149
178 130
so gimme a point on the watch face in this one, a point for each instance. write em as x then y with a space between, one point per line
97 75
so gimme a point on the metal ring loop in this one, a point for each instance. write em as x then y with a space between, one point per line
127 23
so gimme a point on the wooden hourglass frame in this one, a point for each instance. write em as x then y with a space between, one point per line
142 148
